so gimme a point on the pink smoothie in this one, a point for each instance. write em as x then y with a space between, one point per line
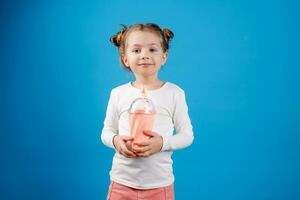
140 121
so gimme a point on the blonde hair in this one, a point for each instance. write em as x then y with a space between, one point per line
119 39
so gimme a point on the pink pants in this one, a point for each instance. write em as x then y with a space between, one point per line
121 192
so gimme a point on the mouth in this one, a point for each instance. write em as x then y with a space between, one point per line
145 64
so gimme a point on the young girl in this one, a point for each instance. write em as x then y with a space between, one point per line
145 170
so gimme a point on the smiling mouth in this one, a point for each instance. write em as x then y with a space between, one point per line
145 64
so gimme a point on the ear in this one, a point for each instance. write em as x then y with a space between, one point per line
125 60
165 57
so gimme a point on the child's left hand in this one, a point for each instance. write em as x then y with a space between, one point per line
149 146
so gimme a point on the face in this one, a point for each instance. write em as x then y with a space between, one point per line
144 54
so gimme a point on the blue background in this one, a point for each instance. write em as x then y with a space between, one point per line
238 62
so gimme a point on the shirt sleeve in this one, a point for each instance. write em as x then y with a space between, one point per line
110 128
184 135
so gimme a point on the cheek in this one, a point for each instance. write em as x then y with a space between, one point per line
128 60
162 59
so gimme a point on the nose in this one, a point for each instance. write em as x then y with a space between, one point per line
144 55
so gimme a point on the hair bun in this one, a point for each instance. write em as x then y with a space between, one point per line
168 34
117 38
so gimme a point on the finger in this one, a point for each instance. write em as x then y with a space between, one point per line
149 133
127 138
126 155
137 150
141 143
125 151
129 153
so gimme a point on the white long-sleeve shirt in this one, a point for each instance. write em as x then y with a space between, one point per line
171 113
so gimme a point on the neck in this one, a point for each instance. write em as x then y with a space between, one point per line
149 83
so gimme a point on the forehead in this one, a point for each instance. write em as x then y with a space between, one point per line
143 38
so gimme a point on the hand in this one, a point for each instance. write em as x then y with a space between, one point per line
120 145
147 147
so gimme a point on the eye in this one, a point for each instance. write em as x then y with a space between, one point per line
136 50
153 49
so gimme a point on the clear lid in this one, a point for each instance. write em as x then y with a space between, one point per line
142 105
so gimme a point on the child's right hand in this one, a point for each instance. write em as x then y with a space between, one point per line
120 145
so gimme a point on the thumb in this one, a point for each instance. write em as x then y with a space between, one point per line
149 133
127 138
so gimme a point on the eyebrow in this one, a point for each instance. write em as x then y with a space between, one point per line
138 45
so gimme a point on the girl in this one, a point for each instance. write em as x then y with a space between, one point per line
145 170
